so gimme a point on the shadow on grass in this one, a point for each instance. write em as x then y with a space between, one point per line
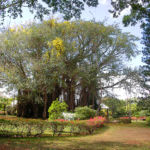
72 145
98 131
41 142
133 124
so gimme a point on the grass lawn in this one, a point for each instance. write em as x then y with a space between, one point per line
135 136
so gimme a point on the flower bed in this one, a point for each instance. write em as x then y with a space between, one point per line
59 126
22 127
141 118
125 119
128 119
33 127
138 118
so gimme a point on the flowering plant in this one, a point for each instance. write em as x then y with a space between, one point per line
125 119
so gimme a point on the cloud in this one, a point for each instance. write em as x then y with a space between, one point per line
126 11
103 2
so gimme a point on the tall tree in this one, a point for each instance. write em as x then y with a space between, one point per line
146 52
140 12
74 59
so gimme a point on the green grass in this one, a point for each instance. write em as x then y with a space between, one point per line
133 136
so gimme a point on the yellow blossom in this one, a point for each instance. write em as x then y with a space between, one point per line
51 22
12 30
57 46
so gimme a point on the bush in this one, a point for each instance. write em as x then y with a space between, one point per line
143 113
76 127
56 109
22 128
125 120
84 113
11 110
32 128
148 121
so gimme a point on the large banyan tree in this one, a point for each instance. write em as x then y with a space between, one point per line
74 61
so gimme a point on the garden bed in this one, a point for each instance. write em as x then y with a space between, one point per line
14 127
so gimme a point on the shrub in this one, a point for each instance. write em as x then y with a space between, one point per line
58 126
125 119
32 128
84 112
11 110
22 128
143 113
56 109
148 121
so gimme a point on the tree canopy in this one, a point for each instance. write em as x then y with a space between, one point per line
139 10
69 8
64 59
117 107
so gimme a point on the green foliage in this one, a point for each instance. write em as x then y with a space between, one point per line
22 128
40 8
117 108
139 13
84 113
75 127
144 104
31 127
146 53
4 103
143 113
139 10
56 109
11 110
63 56
148 121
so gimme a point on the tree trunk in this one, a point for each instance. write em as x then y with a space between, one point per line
45 104
93 101
19 112
72 99
70 94
35 110
99 107
4 109
83 97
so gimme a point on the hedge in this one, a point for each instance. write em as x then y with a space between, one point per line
32 128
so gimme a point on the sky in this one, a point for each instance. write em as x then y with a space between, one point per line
100 13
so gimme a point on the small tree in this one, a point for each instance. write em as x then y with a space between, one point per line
84 112
4 102
56 109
